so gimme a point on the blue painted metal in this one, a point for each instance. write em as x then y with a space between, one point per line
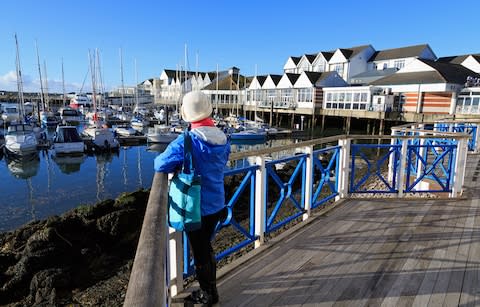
287 191
439 170
373 171
230 221
469 128
325 173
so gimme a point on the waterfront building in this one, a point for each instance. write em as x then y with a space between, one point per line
427 87
227 93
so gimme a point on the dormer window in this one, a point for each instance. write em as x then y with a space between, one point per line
399 64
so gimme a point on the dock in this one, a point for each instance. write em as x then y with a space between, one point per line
368 252
335 226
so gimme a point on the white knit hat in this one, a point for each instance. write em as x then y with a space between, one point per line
195 107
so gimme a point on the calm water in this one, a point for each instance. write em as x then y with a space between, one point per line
47 185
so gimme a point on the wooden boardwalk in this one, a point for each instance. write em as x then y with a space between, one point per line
371 253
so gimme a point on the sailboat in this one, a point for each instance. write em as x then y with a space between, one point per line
20 139
102 137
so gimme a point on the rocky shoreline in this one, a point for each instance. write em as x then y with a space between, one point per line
82 258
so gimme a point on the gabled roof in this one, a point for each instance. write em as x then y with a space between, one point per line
458 59
314 76
452 73
327 55
296 59
310 57
397 53
261 79
347 53
376 73
228 83
211 75
170 73
292 77
353 51
442 73
276 78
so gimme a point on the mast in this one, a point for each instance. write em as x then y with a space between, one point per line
136 83
42 99
47 99
121 76
63 85
92 70
21 108
255 100
98 77
216 95
238 91
186 67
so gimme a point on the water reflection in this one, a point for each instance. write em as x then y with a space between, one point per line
69 163
50 185
23 168
157 147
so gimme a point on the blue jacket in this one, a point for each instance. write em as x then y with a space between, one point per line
210 154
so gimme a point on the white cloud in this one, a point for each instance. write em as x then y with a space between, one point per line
8 82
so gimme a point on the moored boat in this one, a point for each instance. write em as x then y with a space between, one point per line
161 134
20 140
249 134
67 140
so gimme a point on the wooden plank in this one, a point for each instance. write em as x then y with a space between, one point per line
427 255
342 271
446 270
272 263
303 245
470 295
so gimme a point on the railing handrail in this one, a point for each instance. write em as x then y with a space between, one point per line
330 139
147 284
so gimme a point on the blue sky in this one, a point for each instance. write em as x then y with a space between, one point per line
246 34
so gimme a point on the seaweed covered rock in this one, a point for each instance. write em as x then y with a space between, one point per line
52 262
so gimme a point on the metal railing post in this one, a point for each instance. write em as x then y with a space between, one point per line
344 172
260 201
391 158
460 165
308 182
175 261
402 171
476 138
146 286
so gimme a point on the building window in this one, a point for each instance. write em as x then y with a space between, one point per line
339 69
305 95
399 64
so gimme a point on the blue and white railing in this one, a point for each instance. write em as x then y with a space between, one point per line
271 193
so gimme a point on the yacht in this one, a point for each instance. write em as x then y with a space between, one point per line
67 140
20 140
125 130
70 115
161 134
80 101
10 113
102 138
48 119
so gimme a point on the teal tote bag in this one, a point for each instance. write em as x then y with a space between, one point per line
184 193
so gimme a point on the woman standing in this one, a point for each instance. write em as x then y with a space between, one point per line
210 151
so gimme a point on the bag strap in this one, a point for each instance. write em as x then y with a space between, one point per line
188 167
